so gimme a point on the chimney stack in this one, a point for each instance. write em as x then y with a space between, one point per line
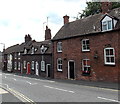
106 7
27 38
47 33
66 19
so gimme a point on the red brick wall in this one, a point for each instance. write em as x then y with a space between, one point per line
72 50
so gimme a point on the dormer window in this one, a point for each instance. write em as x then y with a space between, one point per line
32 50
107 25
25 51
43 49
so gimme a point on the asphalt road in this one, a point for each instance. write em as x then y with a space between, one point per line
42 90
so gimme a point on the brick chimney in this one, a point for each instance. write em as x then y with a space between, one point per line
66 19
27 38
106 7
47 33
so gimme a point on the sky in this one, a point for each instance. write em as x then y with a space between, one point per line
21 17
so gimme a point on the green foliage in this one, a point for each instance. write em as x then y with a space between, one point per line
95 8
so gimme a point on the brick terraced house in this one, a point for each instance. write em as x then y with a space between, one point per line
89 48
30 57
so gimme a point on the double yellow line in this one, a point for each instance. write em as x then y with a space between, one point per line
19 95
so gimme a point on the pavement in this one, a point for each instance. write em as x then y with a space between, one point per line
100 84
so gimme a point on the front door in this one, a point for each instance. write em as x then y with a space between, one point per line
71 71
37 68
28 68
48 70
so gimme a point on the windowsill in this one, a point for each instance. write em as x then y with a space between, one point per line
85 50
59 70
109 64
107 30
59 51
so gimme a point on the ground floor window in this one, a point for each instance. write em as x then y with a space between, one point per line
109 56
86 67
59 64
32 65
24 64
42 65
15 65
18 65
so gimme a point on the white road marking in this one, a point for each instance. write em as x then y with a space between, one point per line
14 79
5 77
59 89
0 74
3 91
108 99
31 83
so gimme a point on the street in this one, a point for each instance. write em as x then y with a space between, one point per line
28 89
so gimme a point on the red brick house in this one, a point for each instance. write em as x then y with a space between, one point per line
89 48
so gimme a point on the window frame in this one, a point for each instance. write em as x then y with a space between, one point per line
59 64
15 65
85 50
87 73
109 56
42 65
24 64
59 46
107 25
32 50
19 65
33 65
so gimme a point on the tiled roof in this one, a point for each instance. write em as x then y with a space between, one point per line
37 45
90 24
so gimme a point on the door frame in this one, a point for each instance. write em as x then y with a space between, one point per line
69 68
28 67
47 69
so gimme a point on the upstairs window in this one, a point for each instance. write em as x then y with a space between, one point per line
19 55
86 67
59 64
32 50
107 25
25 51
15 55
59 47
109 56
85 45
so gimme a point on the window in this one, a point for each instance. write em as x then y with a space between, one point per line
24 64
59 47
86 67
18 65
107 25
32 50
42 65
15 65
109 56
59 64
85 45
15 56
19 55
32 65
25 51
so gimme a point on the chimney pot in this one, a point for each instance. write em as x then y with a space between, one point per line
106 7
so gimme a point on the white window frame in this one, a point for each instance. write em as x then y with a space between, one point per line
19 65
59 64
33 49
19 55
24 64
25 51
32 65
105 23
59 47
42 65
86 45
109 56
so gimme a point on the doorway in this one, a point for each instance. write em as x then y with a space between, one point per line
28 68
71 70
48 70
37 68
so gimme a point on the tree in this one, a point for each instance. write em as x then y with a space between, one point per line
95 8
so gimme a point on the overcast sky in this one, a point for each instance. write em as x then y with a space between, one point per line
20 17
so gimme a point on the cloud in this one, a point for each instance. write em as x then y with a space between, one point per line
20 17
